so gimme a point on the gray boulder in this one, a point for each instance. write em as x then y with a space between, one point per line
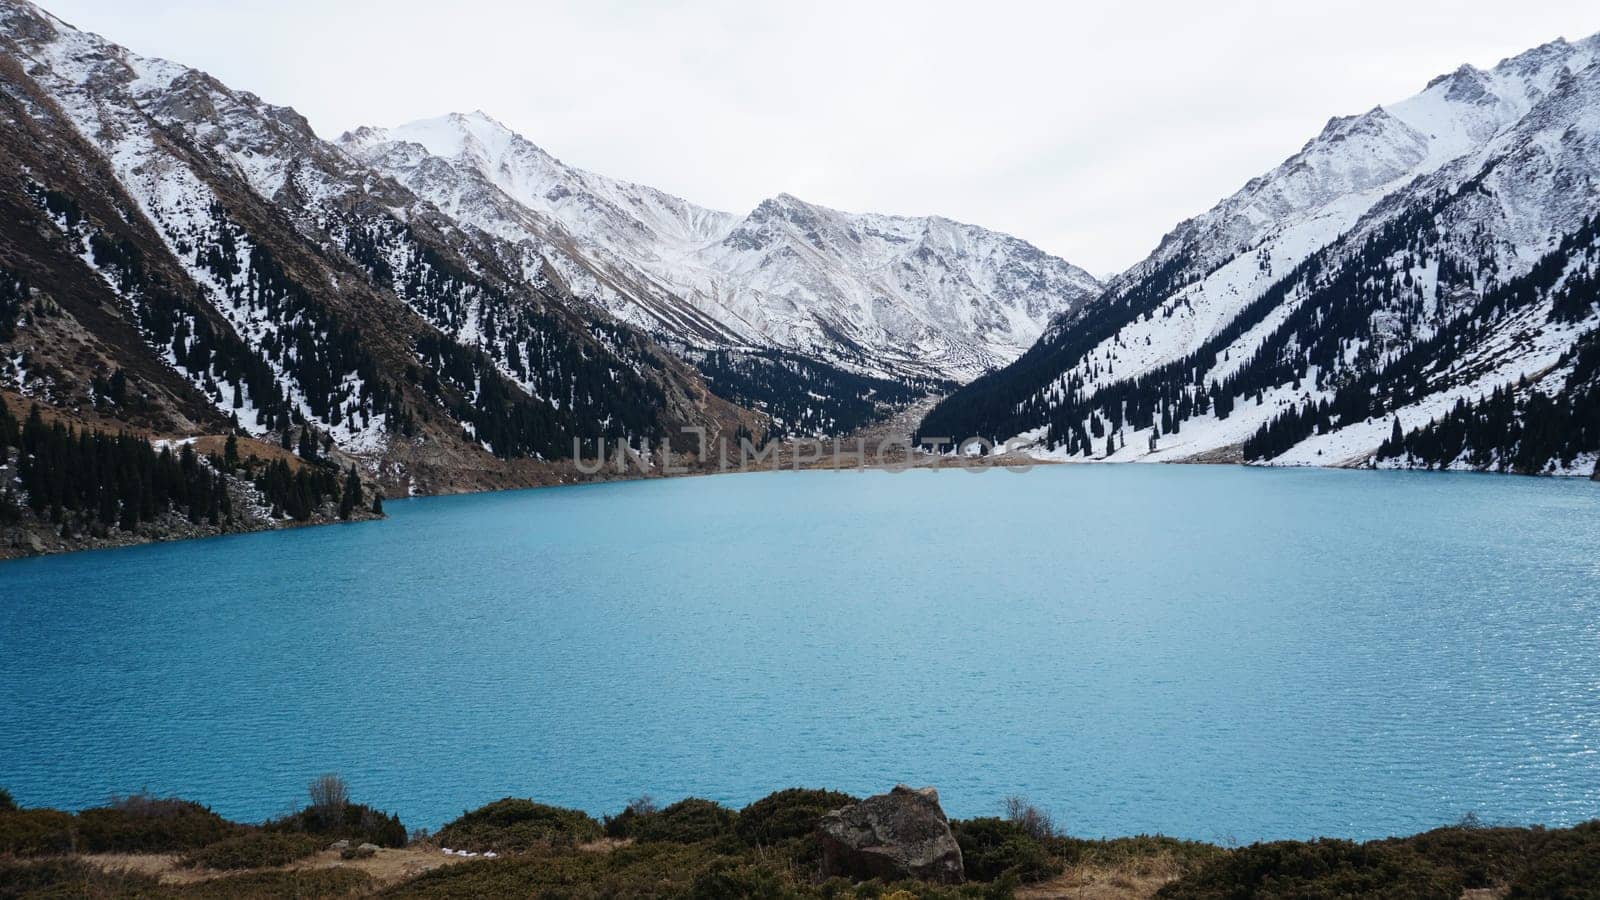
901 834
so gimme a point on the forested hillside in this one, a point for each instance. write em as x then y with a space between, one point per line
184 260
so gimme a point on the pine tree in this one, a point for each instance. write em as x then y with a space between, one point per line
352 494
308 443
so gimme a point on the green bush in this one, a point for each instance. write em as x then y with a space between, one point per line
636 871
512 825
1317 870
6 803
145 824
301 884
1567 867
619 826
732 879
35 832
686 821
787 815
1483 857
995 848
255 850
354 822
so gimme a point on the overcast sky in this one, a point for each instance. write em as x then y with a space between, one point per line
1089 132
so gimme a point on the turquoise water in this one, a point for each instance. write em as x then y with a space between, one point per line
1217 653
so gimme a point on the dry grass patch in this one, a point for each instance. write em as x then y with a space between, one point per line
1125 879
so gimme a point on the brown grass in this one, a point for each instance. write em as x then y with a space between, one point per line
386 867
1136 879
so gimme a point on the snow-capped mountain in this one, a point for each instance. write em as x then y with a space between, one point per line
243 274
1407 261
884 295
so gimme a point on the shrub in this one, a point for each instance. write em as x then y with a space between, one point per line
331 815
36 832
338 881
643 804
995 848
1036 822
6 803
1483 857
67 877
657 870
787 815
1136 852
1567 867
145 824
686 821
255 850
1317 870
355 822
729 879
329 797
620 825
512 825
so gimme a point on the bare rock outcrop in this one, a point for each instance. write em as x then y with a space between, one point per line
901 834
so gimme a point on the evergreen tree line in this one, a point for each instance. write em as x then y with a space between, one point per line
1332 313
79 477
115 480
521 348
306 342
1518 429
1566 277
1364 329
298 494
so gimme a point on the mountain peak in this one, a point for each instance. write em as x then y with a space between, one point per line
450 136
1537 56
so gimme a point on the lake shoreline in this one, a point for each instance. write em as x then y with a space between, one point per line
567 474
1184 650
169 847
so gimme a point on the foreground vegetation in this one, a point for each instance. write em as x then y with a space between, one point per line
699 849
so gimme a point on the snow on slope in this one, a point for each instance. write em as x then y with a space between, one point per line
299 288
878 294
1483 172
120 102
1253 239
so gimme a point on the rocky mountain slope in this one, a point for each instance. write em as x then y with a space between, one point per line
1414 287
232 272
879 295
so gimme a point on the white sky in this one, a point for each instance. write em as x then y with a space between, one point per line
1088 131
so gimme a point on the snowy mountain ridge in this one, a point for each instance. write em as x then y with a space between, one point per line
1317 284
244 275
884 295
